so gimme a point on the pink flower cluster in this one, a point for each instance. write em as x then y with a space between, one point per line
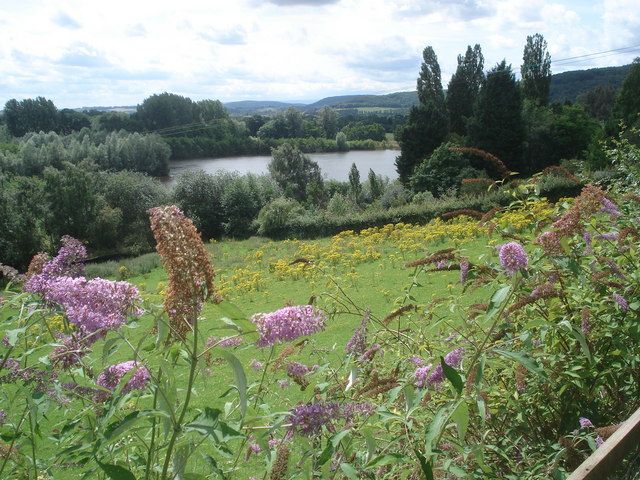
512 257
111 376
288 324
308 420
95 306
426 376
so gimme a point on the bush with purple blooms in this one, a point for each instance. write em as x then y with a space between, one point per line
525 384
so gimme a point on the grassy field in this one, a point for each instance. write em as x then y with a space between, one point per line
377 272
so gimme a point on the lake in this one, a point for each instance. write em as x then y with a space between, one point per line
334 166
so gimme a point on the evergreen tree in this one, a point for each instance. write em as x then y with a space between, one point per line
427 125
354 182
536 70
425 130
429 81
463 88
627 106
496 125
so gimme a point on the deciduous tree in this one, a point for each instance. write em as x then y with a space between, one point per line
463 88
536 70
294 171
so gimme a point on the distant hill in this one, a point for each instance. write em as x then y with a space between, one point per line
568 85
266 107
564 86
402 100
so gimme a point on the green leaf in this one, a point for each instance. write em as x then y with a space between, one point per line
349 471
528 362
326 454
424 465
579 336
214 466
370 440
388 459
229 310
241 379
12 335
208 423
480 369
438 423
461 417
115 472
452 375
498 297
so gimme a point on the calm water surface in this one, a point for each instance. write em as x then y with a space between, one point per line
334 166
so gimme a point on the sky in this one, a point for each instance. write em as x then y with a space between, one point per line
81 53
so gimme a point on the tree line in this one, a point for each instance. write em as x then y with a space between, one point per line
509 119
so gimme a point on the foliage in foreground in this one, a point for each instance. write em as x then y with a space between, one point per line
518 387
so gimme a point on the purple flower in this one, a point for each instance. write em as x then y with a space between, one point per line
599 441
255 365
95 306
274 442
609 207
620 300
512 257
587 240
417 361
607 236
297 369
421 376
111 376
436 376
357 344
69 352
233 341
585 422
255 448
308 420
464 269
3 417
287 324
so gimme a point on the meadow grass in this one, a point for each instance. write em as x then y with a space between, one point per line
343 275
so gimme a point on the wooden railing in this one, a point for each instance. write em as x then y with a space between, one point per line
612 452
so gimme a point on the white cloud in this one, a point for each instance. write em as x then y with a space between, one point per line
120 52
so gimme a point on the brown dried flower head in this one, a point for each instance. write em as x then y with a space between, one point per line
187 264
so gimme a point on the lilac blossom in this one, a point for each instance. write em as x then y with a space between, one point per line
274 442
308 420
587 240
607 236
255 365
417 361
67 263
287 324
297 369
512 257
95 306
599 441
464 269
609 207
111 376
3 417
421 374
69 352
357 344
585 422
426 377
230 341
620 300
